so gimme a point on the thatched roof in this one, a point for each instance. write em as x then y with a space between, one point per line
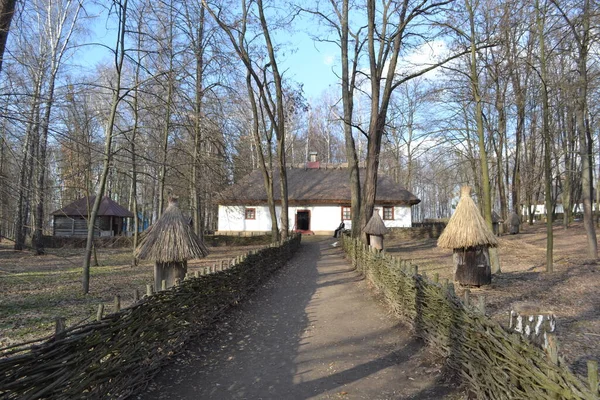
313 186
171 238
466 227
81 208
496 218
375 226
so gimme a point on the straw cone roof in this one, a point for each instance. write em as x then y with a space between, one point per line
466 227
375 226
171 239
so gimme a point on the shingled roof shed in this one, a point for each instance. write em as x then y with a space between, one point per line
72 219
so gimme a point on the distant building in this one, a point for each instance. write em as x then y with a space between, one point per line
318 199
72 220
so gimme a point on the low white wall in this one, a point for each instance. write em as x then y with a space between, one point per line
322 218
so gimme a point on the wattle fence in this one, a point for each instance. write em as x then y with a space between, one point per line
120 353
495 363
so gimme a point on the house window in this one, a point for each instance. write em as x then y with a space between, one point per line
346 213
250 213
388 213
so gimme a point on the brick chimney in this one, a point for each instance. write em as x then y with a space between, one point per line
312 161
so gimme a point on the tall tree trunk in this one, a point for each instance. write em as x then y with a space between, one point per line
585 139
7 10
485 175
266 168
348 81
279 123
540 17
29 150
199 94
121 9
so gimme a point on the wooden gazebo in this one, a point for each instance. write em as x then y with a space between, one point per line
469 236
72 220
170 242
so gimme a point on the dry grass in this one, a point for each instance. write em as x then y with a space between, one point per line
37 289
571 291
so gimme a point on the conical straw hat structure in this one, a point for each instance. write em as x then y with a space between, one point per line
171 238
466 228
375 226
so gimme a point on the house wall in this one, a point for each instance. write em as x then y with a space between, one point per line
323 219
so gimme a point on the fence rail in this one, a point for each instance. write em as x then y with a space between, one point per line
495 363
118 354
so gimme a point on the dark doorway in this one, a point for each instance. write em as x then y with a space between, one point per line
303 220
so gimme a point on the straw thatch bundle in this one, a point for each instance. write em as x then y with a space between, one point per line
171 239
375 226
466 227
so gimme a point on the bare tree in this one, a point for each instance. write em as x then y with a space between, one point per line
578 22
265 78
7 10
120 9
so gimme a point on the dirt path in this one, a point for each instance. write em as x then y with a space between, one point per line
313 331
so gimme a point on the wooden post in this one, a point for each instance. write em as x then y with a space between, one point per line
552 348
148 290
169 272
117 303
592 369
481 304
472 266
163 285
136 295
100 312
60 326
196 274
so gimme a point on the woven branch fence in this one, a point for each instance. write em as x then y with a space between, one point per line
495 363
120 353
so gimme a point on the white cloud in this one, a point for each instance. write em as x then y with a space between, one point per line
329 59
422 57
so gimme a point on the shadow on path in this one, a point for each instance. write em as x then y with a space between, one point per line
312 331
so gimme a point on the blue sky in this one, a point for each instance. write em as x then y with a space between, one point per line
312 64
303 60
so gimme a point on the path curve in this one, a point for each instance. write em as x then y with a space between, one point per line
313 331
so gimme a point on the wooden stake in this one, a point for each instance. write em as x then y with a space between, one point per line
163 285
552 348
60 326
100 312
481 304
136 295
117 303
148 290
592 369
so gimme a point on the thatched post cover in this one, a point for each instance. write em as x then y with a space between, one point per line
170 242
497 224
513 223
470 237
375 228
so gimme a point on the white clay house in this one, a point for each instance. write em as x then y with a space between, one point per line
318 200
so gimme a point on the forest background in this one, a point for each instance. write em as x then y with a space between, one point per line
143 99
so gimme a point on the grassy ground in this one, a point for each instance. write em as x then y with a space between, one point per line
34 290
